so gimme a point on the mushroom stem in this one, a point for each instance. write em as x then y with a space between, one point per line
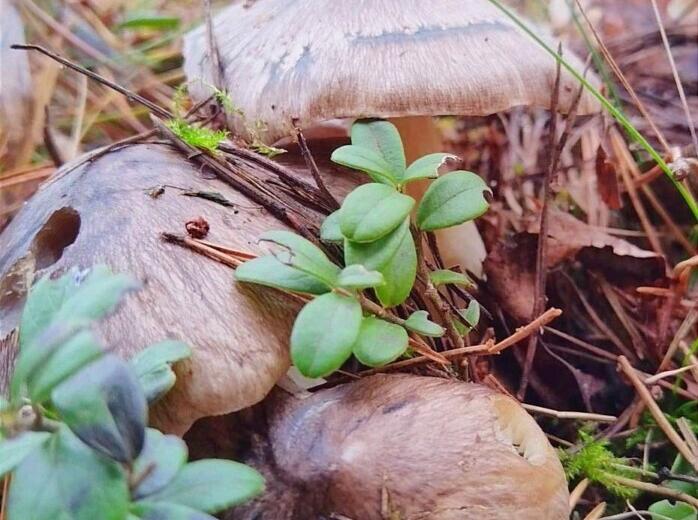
461 244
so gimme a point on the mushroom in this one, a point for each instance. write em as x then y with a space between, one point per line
107 208
311 61
407 447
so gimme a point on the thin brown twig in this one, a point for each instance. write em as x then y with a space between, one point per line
542 249
129 94
525 331
656 412
675 72
314 171
648 487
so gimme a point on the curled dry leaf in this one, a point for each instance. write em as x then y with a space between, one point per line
511 262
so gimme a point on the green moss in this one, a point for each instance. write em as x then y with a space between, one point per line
198 137
597 462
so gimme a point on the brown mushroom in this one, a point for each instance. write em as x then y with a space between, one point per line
310 61
408 447
107 208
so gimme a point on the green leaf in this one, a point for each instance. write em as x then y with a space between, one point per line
471 315
420 323
379 342
94 297
330 231
62 363
394 256
150 22
269 271
426 167
153 367
165 511
104 405
13 451
44 301
358 277
365 160
211 485
383 138
372 211
161 459
666 510
304 255
452 199
64 479
324 333
682 467
446 276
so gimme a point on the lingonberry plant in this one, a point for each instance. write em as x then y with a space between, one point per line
375 228
73 429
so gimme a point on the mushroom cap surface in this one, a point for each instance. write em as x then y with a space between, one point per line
438 449
100 211
315 60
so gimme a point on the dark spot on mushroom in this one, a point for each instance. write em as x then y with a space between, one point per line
394 407
60 230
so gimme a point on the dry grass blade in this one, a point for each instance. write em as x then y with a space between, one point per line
582 416
596 513
578 491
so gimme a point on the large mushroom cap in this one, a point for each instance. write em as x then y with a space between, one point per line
315 60
434 448
99 210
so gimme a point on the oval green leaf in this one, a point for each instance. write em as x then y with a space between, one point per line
65 360
269 271
302 254
452 199
365 160
211 485
666 510
426 167
379 342
372 211
446 276
358 277
324 333
394 256
420 323
166 511
153 367
104 405
330 231
161 459
383 138
65 479
15 450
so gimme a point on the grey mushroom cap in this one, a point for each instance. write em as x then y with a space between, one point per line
97 210
315 60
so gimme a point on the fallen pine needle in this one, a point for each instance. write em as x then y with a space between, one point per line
584 416
578 491
668 373
654 488
596 513
526 330
657 413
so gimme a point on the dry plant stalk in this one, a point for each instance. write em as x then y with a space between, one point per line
657 413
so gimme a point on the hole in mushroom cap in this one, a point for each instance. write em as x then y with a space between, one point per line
519 429
59 231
